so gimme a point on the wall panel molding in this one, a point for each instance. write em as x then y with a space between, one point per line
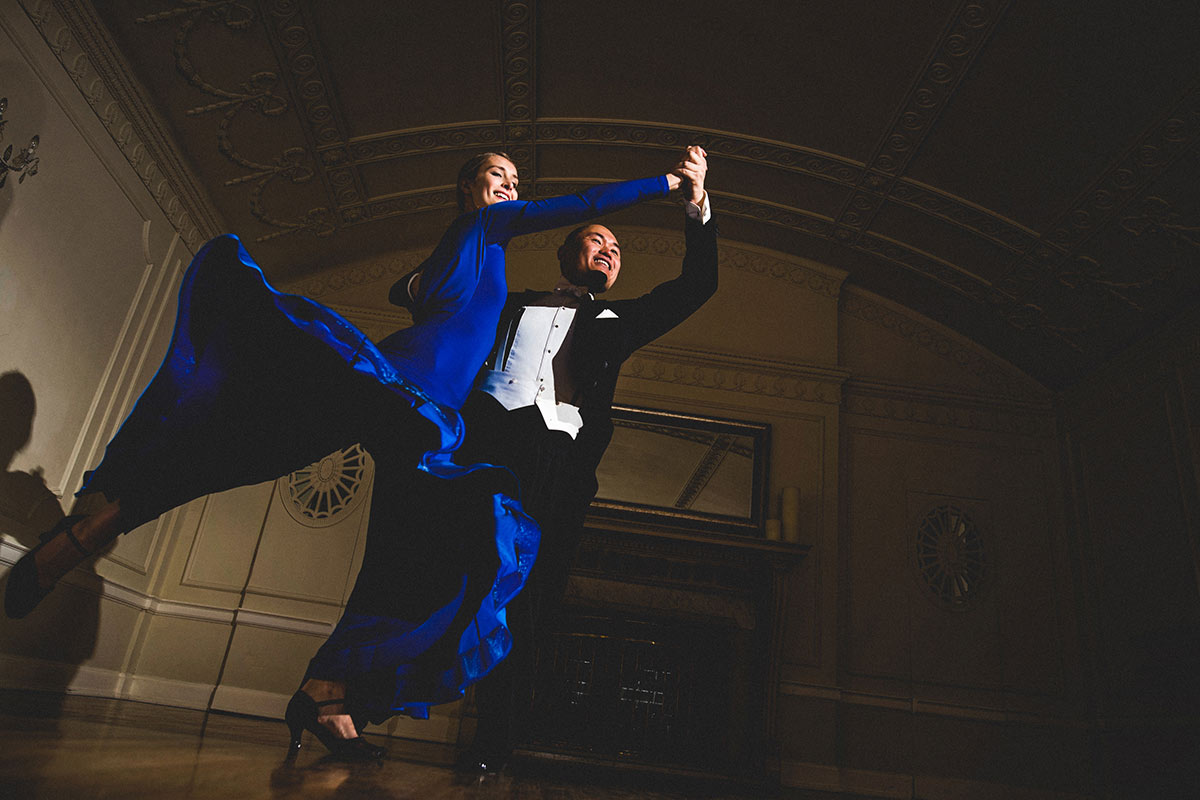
1153 362
111 591
150 311
945 344
871 783
948 408
938 708
735 373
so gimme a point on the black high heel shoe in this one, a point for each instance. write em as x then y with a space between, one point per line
23 592
302 715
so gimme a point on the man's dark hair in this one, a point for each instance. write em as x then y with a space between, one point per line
569 247
469 171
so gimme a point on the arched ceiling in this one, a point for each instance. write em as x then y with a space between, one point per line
1025 172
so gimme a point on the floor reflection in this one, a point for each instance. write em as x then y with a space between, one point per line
87 748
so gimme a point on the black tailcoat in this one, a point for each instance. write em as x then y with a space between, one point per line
557 474
607 333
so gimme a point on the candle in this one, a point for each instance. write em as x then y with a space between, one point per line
789 513
773 530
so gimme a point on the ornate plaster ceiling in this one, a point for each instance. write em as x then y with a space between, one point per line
1024 172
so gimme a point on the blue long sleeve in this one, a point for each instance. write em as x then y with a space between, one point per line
463 283
503 221
450 275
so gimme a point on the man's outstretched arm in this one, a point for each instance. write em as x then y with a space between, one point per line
670 303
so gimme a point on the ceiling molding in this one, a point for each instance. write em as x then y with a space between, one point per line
1127 178
963 39
829 167
964 215
819 279
1006 380
1076 280
400 204
519 98
387 268
727 144
1163 363
304 77
95 65
812 277
261 93
415 141
930 266
308 81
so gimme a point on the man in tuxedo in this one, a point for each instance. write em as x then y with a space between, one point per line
543 408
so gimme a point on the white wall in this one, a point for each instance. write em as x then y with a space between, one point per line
221 602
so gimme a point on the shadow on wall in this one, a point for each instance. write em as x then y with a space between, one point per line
44 650
24 497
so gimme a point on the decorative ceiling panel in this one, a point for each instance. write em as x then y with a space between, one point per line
1023 172
424 63
1059 92
826 74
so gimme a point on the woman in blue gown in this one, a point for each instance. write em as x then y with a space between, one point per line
257 383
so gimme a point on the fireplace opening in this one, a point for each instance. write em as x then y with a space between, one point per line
659 692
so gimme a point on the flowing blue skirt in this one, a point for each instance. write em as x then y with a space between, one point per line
258 383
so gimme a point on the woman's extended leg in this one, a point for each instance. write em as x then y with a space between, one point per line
243 395
61 554
334 680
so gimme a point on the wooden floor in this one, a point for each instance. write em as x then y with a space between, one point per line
76 748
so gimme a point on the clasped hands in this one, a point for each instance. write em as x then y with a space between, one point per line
689 173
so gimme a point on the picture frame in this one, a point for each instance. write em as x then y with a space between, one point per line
685 471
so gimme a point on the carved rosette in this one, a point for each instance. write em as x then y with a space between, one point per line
950 558
326 491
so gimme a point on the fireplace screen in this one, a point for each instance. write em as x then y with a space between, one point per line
618 689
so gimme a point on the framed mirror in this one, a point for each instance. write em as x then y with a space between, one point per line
685 471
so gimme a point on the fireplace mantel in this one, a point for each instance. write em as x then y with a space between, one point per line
695 613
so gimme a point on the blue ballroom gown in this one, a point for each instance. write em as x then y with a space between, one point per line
257 383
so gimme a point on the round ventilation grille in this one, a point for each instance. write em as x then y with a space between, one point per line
325 491
950 557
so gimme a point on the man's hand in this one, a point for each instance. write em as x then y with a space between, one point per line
691 170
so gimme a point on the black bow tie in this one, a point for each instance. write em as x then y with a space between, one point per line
575 291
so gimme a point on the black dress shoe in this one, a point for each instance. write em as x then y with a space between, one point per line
302 715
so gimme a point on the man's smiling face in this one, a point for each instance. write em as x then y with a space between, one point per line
595 261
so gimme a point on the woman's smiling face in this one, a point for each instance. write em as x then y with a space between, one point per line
495 182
